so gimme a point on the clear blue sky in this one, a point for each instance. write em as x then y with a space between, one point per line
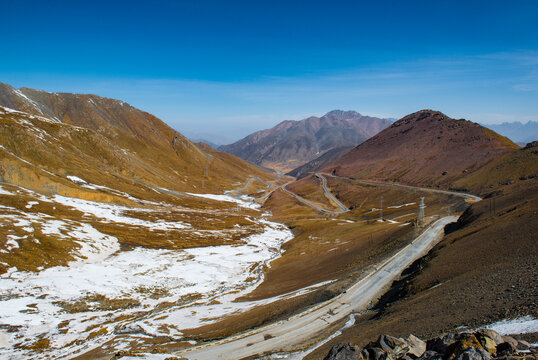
222 69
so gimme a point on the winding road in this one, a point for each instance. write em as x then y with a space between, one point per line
316 206
333 198
382 183
371 182
309 326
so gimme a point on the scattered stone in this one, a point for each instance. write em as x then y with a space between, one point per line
440 344
375 353
431 355
473 353
388 343
506 348
463 342
523 345
484 344
416 346
510 340
492 334
344 352
487 342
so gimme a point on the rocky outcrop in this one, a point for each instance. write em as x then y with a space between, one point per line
480 345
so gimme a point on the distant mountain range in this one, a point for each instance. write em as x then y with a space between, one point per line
425 148
517 131
293 143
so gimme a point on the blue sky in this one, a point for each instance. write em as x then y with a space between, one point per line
222 69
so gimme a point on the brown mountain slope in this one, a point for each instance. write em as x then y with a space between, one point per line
106 142
505 172
293 143
425 148
483 271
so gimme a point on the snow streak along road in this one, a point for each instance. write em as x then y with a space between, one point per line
305 328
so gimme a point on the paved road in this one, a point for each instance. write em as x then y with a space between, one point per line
311 204
324 184
307 327
373 182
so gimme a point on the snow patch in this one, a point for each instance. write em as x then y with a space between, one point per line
522 325
31 203
5 192
114 213
243 201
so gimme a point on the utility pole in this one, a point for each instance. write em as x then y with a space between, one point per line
421 211
381 208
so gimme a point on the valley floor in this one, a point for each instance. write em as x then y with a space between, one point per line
130 281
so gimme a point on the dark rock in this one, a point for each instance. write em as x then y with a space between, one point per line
375 353
440 344
523 345
473 353
344 352
510 340
487 342
431 355
463 342
388 343
506 348
492 334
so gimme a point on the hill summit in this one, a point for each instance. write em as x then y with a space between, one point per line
426 148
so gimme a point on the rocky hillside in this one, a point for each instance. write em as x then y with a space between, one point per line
482 272
510 170
293 143
46 137
425 148
480 345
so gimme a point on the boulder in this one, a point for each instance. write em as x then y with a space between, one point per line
510 340
344 352
388 343
431 355
523 345
440 344
463 342
506 348
492 334
375 353
416 347
487 343
472 353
